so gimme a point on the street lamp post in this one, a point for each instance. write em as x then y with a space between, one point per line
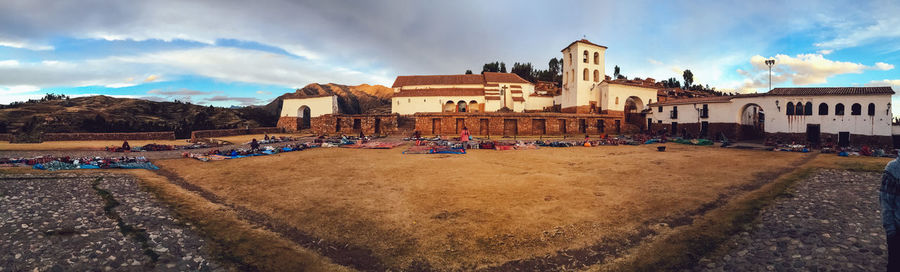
770 63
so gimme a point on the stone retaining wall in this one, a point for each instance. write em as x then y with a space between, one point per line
200 134
353 124
510 124
164 135
6 137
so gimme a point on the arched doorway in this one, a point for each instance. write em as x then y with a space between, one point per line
303 117
752 122
449 106
461 106
633 107
473 106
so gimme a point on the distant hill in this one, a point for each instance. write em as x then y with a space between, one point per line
361 99
108 114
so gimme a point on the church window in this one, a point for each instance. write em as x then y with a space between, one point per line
596 58
871 109
839 109
596 75
585 56
586 74
856 109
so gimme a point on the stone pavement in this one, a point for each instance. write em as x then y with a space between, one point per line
831 223
92 221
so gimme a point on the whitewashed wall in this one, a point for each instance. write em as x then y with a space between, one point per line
776 120
411 105
318 106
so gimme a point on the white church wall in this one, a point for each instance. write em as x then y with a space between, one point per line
414 104
318 106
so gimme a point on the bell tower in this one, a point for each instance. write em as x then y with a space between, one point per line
583 71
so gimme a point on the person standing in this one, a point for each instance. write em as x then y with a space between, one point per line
464 137
890 211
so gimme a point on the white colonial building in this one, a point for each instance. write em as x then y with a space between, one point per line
585 89
844 115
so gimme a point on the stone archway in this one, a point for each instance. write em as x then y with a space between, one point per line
303 117
633 107
752 120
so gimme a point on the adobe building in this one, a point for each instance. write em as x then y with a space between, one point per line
587 102
843 115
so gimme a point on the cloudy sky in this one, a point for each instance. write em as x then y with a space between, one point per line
247 52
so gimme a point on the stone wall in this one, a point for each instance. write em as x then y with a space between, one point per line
714 130
6 137
353 124
199 134
165 135
288 123
738 132
510 124
856 140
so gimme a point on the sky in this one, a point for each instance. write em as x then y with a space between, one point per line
225 53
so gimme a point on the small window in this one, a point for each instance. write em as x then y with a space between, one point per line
596 75
839 109
585 56
659 109
823 109
808 109
586 74
856 109
704 112
871 109
790 108
409 100
617 100
596 58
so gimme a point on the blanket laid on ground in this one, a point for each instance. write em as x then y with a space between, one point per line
433 150
373 145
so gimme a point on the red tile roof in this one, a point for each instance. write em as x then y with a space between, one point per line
635 83
693 100
518 99
441 92
459 79
503 77
832 91
491 98
583 41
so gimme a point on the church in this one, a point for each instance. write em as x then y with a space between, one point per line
589 102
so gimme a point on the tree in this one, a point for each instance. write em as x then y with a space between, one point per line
617 72
524 70
554 66
503 67
468 72
491 67
688 79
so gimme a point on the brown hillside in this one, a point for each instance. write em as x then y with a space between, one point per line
109 114
362 99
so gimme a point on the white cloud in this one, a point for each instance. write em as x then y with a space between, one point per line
825 51
24 45
803 69
654 62
851 36
884 82
151 78
243 65
883 66
263 92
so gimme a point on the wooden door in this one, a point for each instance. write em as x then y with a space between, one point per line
436 126
510 127
538 126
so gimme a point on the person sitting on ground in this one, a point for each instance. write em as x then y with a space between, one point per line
417 135
267 137
126 146
254 145
587 140
464 137
889 196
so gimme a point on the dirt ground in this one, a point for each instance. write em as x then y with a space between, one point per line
481 209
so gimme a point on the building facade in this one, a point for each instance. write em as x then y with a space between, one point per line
843 115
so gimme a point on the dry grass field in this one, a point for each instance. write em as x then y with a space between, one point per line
485 208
